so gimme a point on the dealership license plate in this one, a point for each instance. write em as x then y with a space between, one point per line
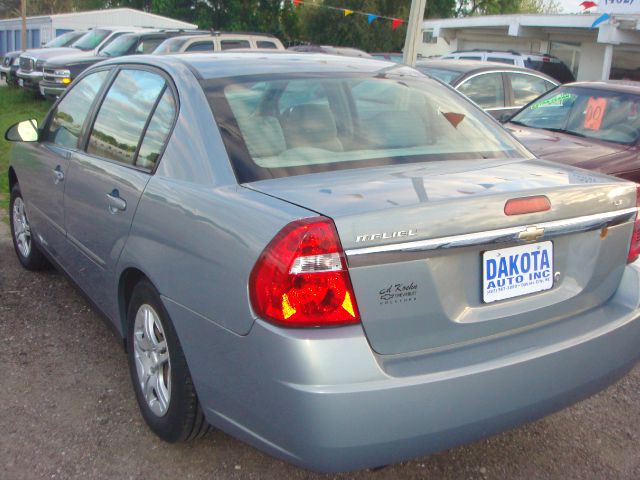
514 271
21 82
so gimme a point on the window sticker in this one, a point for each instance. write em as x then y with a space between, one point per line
595 113
555 101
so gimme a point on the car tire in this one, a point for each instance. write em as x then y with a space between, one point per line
24 243
164 389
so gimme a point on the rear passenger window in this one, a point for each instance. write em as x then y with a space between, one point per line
232 44
66 123
469 57
157 132
486 90
200 47
148 45
508 61
527 88
123 115
265 44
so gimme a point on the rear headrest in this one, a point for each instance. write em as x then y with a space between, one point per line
311 125
262 135
401 129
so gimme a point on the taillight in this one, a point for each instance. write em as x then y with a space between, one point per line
520 206
634 248
301 278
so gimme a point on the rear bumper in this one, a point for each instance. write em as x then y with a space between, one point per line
323 400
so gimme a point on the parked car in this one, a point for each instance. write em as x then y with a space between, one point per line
331 50
59 72
31 63
9 66
547 64
219 41
592 125
339 261
500 89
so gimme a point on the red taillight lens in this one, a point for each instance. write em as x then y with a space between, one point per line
634 248
301 278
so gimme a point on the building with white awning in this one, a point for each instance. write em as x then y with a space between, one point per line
608 50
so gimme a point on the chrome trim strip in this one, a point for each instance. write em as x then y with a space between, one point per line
504 235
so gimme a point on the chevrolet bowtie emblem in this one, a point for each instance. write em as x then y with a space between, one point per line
531 233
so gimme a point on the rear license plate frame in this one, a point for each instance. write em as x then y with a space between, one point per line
501 280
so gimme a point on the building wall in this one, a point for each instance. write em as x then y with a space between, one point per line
11 31
591 58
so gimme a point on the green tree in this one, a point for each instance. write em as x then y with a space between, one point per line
332 27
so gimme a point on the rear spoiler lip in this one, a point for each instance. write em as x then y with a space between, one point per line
397 252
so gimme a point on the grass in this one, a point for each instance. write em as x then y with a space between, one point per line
15 105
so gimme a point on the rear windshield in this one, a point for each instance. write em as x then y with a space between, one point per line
553 68
64 39
446 76
92 39
283 125
585 112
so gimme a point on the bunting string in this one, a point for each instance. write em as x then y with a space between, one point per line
371 17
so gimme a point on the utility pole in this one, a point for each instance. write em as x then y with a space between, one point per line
414 32
23 14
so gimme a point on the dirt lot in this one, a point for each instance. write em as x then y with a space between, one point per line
67 411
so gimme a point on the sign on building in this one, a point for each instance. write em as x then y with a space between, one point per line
619 6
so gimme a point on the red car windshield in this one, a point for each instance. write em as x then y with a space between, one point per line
585 112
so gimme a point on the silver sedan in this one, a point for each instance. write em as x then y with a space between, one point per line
337 260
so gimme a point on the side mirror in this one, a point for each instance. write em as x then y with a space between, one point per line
25 131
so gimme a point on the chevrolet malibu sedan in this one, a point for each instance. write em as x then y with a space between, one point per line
337 260
592 125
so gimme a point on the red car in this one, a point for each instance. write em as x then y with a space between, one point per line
593 125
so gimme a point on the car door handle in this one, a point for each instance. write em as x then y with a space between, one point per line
58 175
116 204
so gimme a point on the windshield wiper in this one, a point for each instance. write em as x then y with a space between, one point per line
568 132
516 122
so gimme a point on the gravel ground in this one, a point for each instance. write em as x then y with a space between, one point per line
67 411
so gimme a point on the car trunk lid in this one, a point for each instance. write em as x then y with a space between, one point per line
415 236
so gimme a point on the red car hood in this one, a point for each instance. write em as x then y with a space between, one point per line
605 157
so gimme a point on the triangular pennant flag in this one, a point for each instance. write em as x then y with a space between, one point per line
588 4
602 18
347 12
395 23
371 17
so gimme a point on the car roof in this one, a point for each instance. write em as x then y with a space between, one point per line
625 86
223 35
475 66
232 63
